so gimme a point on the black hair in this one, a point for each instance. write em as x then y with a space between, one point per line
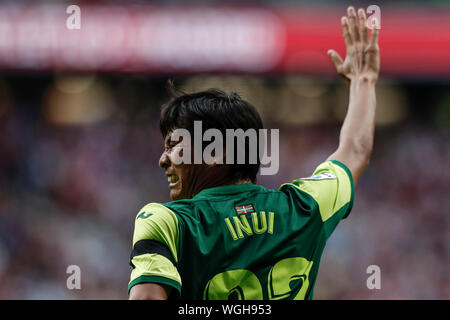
216 109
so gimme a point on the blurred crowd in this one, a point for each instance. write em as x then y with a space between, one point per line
278 2
72 181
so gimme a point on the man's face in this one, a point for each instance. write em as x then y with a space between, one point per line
187 179
179 176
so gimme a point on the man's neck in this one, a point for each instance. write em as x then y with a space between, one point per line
224 183
242 181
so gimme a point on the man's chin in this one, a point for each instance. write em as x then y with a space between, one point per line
175 195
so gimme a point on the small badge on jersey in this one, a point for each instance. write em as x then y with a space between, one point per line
248 208
322 176
144 215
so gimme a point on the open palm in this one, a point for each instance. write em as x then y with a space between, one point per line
363 54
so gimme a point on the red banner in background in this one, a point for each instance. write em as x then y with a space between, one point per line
151 39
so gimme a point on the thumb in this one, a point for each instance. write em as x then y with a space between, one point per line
335 59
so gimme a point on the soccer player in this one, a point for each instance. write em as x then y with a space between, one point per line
225 237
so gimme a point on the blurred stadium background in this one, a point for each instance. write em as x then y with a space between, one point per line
79 141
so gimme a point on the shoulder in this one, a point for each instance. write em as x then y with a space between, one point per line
155 210
330 186
328 174
156 214
186 208
155 221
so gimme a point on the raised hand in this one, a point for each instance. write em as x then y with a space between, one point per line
363 54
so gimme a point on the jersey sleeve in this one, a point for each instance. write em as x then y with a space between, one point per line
155 247
331 187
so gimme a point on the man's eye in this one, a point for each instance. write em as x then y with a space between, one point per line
170 146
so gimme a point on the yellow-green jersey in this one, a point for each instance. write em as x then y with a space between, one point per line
242 241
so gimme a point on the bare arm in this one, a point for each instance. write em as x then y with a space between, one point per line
360 68
149 291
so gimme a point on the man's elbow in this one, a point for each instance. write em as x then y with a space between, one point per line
366 155
362 151
357 156
362 155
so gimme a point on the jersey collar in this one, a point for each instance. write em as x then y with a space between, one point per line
229 189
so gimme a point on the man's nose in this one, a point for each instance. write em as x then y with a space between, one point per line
164 160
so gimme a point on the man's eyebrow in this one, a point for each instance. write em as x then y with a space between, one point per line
168 139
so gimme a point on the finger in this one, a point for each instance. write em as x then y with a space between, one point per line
374 36
346 32
364 33
335 59
354 32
